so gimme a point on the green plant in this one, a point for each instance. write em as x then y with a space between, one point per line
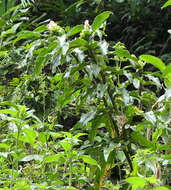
104 118
166 4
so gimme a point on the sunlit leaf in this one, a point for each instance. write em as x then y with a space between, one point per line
167 80
66 145
137 182
75 30
168 3
30 136
12 30
41 29
27 35
154 61
157 134
78 43
150 116
51 158
87 159
85 118
2 53
99 20
32 157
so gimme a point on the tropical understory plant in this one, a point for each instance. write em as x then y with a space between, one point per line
78 112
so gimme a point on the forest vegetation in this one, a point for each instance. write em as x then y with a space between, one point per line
85 95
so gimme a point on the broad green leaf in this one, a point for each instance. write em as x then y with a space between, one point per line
121 156
67 134
43 137
99 20
2 53
4 146
52 158
78 68
168 3
136 182
66 145
9 111
32 157
6 33
97 123
166 157
57 77
141 140
92 132
41 28
79 135
125 53
26 35
40 61
162 147
133 110
154 61
43 57
150 116
87 159
157 134
9 103
85 118
30 136
167 80
167 69
12 30
152 180
78 43
106 153
75 30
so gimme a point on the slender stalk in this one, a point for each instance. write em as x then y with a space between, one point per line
70 168
17 142
70 173
125 151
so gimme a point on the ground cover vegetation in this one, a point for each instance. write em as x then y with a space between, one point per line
85 98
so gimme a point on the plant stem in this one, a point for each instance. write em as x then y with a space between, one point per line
17 142
115 127
70 170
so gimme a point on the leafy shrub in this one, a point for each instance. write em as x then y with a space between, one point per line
97 118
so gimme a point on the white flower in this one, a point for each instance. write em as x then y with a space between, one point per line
52 26
86 24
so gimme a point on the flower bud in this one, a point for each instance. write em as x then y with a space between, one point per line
52 26
86 24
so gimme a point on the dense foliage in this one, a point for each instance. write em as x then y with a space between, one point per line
77 109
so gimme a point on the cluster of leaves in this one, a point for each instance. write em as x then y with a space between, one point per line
139 24
80 113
